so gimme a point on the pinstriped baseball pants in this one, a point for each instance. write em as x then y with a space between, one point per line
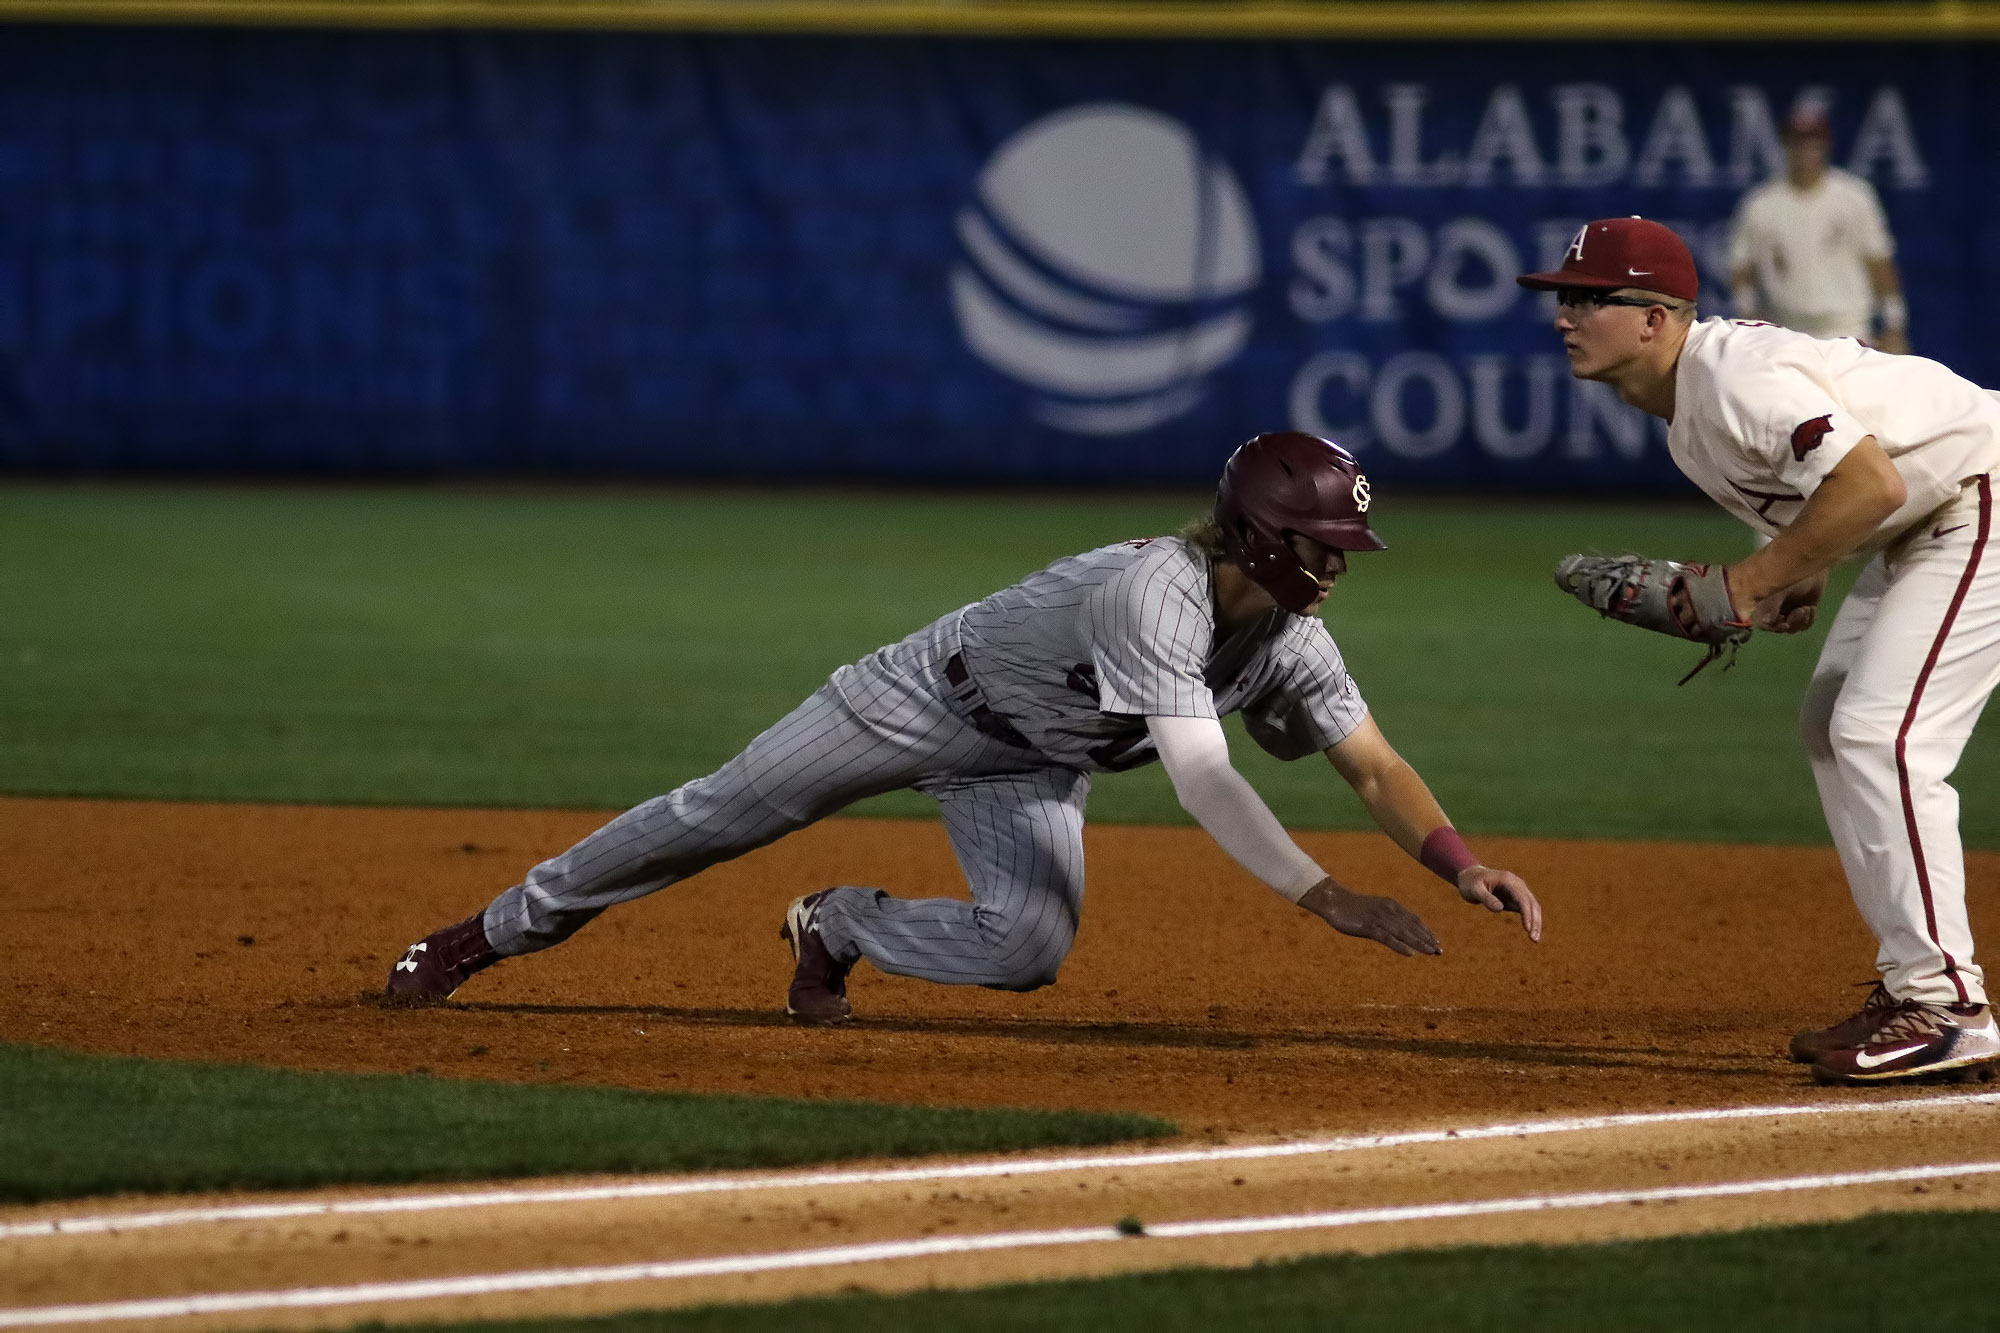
1014 819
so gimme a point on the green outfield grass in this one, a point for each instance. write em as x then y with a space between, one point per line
592 647
1780 1278
73 1125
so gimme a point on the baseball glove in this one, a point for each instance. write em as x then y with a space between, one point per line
1688 601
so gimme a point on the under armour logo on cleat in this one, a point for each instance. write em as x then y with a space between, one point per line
409 963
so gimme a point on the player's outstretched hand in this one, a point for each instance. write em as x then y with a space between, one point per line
1502 891
1383 920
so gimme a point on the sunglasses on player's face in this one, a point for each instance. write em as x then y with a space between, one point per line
1591 298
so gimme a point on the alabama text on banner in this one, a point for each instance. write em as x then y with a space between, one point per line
935 258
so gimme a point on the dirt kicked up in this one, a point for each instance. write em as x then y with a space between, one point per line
1669 977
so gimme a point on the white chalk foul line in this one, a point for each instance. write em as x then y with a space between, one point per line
176 1307
656 1189
962 1171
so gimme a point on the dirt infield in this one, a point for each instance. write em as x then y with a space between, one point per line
1669 977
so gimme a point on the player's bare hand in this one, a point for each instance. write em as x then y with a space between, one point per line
1791 610
1784 620
1369 917
1502 891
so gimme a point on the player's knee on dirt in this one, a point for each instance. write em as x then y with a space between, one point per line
1025 982
1028 953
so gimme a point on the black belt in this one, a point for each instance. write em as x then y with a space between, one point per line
968 703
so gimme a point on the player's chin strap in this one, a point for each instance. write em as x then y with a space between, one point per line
1715 650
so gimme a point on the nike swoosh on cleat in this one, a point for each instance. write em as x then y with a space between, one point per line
1867 1061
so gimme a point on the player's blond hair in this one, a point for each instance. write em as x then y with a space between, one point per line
1205 533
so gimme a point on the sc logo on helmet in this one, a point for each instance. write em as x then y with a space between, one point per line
1361 494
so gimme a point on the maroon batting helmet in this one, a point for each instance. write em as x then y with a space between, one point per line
1285 482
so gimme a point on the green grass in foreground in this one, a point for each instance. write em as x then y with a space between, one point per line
73 1125
1890 1271
594 647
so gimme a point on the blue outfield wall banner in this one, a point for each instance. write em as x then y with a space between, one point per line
917 258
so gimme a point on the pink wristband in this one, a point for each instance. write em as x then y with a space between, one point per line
1444 854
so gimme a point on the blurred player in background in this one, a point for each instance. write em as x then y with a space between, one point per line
1811 249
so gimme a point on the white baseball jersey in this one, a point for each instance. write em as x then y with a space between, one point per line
1078 655
1810 250
1762 414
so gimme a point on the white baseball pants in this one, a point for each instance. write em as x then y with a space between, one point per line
1906 671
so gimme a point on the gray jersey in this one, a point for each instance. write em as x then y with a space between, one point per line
1077 656
1000 711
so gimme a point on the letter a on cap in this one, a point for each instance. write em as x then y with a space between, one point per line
1626 248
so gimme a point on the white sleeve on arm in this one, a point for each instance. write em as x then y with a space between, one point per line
1195 754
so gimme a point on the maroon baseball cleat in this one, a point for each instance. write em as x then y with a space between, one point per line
818 996
1919 1043
439 963
1849 1032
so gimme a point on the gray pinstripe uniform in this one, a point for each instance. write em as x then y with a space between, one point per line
1000 712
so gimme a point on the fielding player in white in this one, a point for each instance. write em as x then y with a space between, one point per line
1001 711
1811 250
1829 449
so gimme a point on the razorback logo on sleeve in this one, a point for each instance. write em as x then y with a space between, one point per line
1807 435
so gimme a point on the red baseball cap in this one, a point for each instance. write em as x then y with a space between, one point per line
1808 121
1624 252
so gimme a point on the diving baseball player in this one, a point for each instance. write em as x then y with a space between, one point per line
1001 712
1826 449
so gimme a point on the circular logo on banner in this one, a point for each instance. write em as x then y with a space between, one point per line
1106 262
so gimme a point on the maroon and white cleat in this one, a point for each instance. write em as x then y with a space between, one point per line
438 964
818 997
1919 1043
1849 1032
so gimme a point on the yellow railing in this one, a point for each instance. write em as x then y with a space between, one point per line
1621 19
